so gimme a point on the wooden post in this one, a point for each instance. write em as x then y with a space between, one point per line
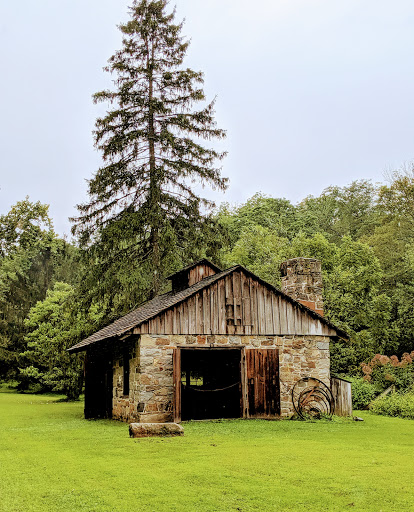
177 384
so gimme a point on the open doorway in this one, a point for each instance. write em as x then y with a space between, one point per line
210 381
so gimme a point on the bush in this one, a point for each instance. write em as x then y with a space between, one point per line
363 392
398 404
385 371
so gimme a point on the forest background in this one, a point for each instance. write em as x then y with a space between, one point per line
143 221
362 233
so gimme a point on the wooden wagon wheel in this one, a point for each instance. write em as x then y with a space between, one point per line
312 398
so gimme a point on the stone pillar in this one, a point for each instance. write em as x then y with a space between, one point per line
302 280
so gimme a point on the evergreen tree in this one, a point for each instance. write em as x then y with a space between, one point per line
141 204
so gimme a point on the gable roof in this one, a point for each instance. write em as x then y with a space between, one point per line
163 302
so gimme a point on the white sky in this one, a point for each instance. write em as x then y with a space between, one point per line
311 92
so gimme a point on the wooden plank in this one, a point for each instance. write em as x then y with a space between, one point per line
237 302
151 326
184 312
175 321
221 286
254 314
260 310
180 318
214 308
177 385
161 322
199 311
191 315
298 321
206 311
283 315
236 285
275 314
244 382
268 312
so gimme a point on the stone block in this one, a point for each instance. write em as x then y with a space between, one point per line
155 429
147 340
159 417
322 345
162 341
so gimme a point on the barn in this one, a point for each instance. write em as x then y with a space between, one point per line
220 344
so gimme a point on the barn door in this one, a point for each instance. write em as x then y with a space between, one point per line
262 373
177 384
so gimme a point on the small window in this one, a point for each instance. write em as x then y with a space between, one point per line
126 371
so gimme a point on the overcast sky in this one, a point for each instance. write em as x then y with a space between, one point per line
311 92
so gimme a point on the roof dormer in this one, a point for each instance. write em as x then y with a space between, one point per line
192 274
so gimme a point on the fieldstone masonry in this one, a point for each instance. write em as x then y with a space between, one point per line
302 280
151 370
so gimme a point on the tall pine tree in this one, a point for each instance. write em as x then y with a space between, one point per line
142 204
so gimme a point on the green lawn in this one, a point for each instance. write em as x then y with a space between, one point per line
51 459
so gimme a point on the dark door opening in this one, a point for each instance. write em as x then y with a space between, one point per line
211 383
98 385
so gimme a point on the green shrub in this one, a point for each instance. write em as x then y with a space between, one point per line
363 392
398 404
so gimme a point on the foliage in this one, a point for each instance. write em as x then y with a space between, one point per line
32 258
337 212
385 371
363 392
396 404
397 198
24 226
277 215
52 327
143 215
260 250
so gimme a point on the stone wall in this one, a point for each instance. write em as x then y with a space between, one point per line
151 370
125 408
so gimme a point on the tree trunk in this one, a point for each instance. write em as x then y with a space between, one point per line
155 191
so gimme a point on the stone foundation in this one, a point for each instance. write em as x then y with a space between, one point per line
151 371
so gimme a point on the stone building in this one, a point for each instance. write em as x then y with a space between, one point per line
220 344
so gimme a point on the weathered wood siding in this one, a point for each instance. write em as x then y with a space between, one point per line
237 304
262 374
198 273
342 393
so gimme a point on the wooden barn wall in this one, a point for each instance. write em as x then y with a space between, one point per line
198 273
235 305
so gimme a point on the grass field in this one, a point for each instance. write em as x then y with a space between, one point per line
51 459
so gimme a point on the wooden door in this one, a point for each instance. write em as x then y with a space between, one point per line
263 390
177 384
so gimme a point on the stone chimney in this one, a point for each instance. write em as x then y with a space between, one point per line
302 280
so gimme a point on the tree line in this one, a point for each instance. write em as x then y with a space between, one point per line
143 221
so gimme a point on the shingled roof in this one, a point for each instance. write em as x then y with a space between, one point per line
163 302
